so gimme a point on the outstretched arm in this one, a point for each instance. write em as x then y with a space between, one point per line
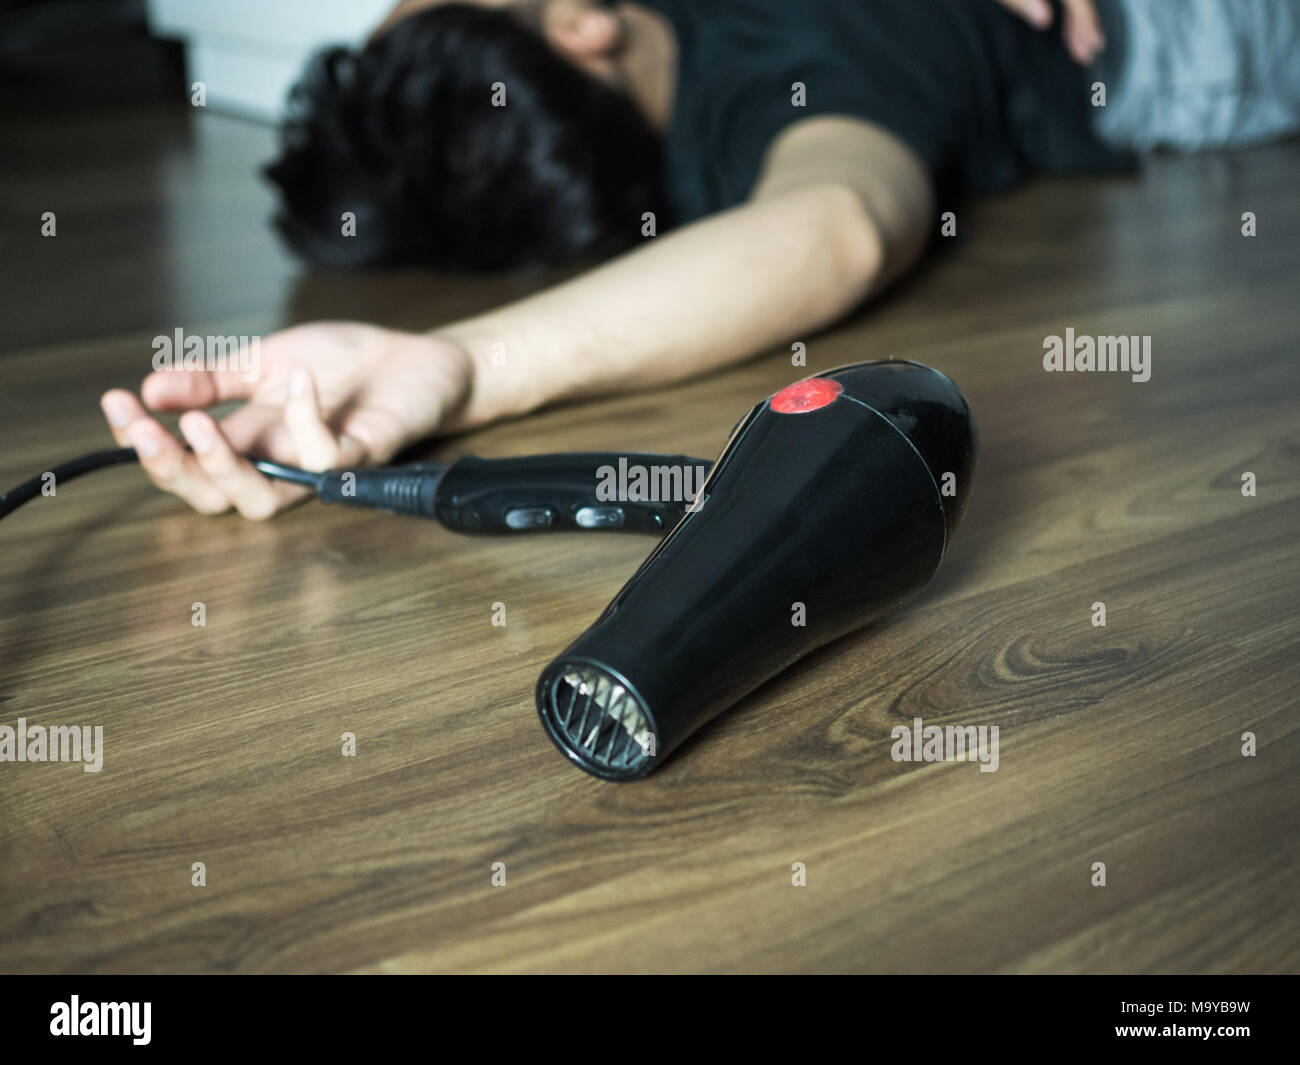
840 209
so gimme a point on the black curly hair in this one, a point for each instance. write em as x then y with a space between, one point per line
404 134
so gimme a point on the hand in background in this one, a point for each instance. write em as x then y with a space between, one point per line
1082 31
324 395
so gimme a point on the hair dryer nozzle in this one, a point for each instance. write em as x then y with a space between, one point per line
596 717
831 504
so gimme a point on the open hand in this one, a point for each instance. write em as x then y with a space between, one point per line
323 396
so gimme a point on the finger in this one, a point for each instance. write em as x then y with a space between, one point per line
1084 17
253 495
121 408
187 389
315 444
1038 13
172 468
1083 33
165 462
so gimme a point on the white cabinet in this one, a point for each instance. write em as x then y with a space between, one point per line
248 53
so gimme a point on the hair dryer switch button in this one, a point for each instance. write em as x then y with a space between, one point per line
530 518
599 517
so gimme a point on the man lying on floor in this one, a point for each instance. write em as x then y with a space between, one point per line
752 172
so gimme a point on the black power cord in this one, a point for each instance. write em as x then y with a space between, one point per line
366 487
96 460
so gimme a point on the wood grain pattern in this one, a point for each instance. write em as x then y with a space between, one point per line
1118 744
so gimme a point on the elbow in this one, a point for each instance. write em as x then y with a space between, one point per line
855 243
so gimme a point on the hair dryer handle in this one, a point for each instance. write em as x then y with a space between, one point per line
583 490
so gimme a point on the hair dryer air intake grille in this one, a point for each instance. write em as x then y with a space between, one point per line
596 719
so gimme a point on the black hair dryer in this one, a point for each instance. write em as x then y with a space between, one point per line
832 503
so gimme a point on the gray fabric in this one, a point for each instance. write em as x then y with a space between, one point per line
1199 73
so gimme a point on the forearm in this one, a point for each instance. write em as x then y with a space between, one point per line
692 300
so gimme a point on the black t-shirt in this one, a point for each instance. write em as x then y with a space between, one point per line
978 94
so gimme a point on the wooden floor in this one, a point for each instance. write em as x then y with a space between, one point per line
1119 744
